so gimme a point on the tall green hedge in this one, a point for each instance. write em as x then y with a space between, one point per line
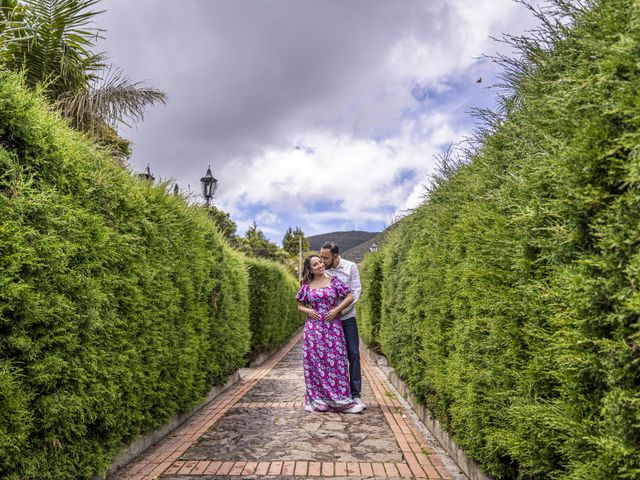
120 305
370 304
510 299
273 312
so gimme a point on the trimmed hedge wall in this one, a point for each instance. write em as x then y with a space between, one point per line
368 308
120 305
510 299
273 311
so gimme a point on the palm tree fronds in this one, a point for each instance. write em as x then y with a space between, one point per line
51 38
51 43
113 98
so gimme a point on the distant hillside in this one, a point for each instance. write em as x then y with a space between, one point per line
344 240
357 253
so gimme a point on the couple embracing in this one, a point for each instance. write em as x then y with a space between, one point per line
331 357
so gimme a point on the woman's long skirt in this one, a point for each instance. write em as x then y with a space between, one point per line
326 367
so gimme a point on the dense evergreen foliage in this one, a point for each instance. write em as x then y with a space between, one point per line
120 305
291 241
370 303
273 312
510 299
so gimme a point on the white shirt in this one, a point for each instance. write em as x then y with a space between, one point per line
348 272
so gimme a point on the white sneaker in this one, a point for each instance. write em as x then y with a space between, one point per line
355 409
359 401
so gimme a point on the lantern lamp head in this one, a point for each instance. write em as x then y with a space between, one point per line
209 185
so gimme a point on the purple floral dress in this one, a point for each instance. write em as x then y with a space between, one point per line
324 351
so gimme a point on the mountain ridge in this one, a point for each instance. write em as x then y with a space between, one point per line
346 240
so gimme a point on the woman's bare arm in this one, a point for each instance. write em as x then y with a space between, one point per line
334 312
309 312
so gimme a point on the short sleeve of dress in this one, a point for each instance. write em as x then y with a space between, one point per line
341 288
301 296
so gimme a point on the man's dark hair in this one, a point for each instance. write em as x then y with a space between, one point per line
331 246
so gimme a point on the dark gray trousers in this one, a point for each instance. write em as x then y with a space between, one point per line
350 328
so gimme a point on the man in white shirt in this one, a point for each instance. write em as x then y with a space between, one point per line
347 272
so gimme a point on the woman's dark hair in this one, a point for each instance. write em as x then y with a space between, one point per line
307 274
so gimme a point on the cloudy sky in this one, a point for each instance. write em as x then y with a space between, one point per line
323 114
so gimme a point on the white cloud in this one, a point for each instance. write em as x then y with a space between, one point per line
266 217
340 178
452 45
248 82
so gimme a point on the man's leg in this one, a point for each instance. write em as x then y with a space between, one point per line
350 328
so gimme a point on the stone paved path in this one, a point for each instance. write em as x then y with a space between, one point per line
258 428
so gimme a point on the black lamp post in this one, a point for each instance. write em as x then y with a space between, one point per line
147 174
209 186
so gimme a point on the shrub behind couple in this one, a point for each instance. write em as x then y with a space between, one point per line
330 286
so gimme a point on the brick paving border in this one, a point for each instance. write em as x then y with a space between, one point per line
292 468
415 448
420 459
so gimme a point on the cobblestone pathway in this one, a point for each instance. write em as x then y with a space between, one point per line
258 428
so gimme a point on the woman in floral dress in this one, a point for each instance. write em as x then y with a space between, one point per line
326 368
